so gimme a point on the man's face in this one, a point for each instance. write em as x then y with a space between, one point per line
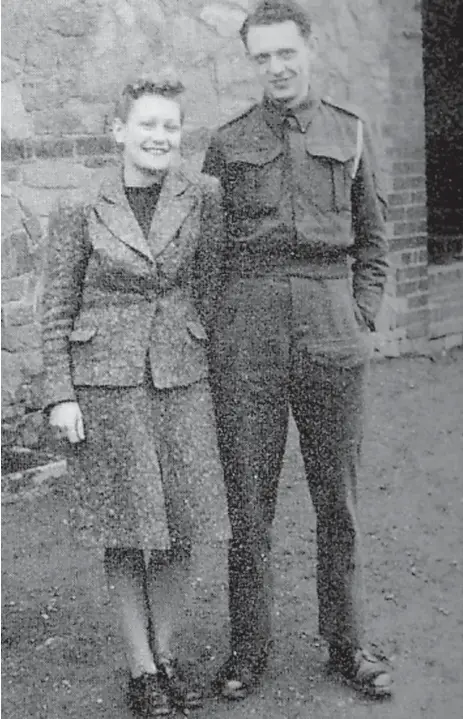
283 60
151 135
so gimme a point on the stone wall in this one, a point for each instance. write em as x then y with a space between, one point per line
63 62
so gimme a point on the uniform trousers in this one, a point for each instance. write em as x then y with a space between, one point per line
254 387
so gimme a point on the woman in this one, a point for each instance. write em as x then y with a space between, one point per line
129 283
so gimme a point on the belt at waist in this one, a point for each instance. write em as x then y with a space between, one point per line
245 265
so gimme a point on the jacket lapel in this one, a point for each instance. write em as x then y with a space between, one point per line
114 211
175 202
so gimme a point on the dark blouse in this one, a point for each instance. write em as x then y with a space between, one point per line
143 201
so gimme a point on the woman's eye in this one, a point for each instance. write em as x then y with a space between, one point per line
287 54
172 128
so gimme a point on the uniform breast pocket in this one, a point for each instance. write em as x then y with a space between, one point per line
331 177
254 182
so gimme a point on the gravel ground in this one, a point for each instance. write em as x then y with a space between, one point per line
61 657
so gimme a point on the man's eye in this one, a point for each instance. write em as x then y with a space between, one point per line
172 128
261 59
287 54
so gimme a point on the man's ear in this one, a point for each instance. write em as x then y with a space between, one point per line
118 129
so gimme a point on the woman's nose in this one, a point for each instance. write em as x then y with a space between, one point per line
157 132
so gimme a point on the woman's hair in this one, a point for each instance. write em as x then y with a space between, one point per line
269 12
166 84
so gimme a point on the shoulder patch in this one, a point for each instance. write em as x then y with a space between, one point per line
346 107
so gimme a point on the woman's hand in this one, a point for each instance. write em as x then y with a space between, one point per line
66 417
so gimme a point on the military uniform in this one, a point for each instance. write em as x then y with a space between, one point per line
303 272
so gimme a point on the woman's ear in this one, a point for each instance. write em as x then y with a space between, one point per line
118 128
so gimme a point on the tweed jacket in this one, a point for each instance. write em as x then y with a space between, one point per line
113 298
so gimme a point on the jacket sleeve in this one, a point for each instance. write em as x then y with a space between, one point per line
210 255
370 265
67 254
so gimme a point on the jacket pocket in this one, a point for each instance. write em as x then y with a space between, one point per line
254 181
331 176
83 334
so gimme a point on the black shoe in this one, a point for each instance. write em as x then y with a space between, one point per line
238 677
146 696
365 672
182 696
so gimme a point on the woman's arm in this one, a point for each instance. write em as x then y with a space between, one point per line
67 254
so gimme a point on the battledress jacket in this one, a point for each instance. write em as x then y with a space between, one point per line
303 197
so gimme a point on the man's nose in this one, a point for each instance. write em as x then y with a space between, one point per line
276 65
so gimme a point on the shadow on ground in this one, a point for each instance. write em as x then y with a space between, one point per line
61 657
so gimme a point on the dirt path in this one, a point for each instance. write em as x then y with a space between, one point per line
60 656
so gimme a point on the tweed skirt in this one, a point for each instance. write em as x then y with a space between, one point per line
148 474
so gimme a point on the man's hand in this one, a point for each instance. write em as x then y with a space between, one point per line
66 418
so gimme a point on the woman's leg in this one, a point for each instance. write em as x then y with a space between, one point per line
169 591
168 582
126 574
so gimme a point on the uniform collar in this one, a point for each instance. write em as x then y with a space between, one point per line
276 113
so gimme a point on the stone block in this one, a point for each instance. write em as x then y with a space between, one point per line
12 378
71 21
22 338
233 67
225 18
32 429
191 43
10 173
18 314
92 115
11 69
56 175
32 363
57 121
21 254
53 148
15 289
200 98
95 145
42 93
16 122
99 161
15 150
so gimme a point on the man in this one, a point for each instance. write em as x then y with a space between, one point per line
303 275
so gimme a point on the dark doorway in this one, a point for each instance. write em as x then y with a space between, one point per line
443 79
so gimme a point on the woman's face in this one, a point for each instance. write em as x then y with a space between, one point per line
151 136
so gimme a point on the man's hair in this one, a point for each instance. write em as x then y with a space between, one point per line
269 12
166 84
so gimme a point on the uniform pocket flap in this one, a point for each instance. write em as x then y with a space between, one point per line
84 334
197 330
332 152
256 157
